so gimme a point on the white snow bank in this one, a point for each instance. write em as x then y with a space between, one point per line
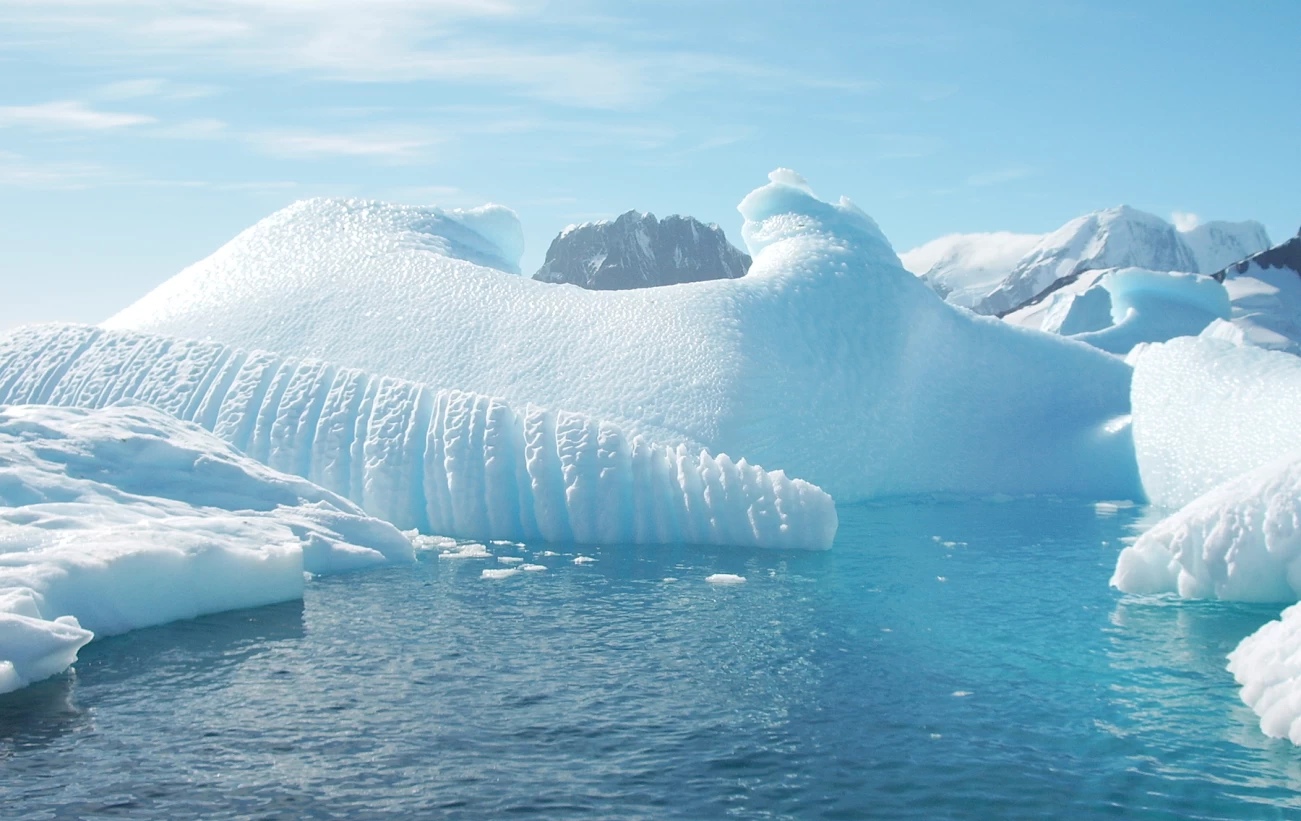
827 359
1239 541
1206 411
446 462
125 517
1268 666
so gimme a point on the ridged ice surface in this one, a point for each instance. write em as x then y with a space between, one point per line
827 359
1207 411
441 461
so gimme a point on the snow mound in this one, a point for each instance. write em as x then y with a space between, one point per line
1239 541
1268 666
448 462
1206 411
827 359
124 517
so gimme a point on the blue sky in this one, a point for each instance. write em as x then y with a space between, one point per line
137 137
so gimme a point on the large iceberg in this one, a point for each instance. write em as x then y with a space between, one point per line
445 462
124 517
827 360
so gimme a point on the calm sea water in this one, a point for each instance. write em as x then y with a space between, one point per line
987 674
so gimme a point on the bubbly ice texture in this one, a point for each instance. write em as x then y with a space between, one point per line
1206 411
1268 666
125 517
446 462
827 359
1240 541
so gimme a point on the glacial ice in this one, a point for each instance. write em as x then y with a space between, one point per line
447 462
1206 411
827 360
125 517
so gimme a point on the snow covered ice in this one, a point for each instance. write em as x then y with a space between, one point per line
125 517
827 360
445 462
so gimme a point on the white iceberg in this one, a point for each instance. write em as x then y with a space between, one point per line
1268 666
124 517
827 360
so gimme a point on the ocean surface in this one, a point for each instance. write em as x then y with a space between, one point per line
943 660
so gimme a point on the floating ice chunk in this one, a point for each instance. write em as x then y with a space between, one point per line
532 568
583 560
470 550
447 462
124 517
1268 666
725 578
509 559
500 573
1207 411
1240 541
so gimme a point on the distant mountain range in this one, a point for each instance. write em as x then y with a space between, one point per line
996 273
638 251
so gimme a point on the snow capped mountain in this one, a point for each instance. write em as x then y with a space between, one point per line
1265 291
1216 245
963 268
638 251
1000 272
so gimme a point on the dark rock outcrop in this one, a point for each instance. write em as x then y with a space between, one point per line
638 251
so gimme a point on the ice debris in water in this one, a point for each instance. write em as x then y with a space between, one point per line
125 517
500 573
725 578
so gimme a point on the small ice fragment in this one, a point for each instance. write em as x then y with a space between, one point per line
509 559
433 542
499 573
725 578
935 538
941 578
961 693
949 544
670 578
583 560
532 568
473 550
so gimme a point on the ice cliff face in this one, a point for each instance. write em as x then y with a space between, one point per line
638 251
444 462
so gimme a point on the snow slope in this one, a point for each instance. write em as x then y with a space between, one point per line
827 359
124 517
964 268
445 462
1207 411
1216 245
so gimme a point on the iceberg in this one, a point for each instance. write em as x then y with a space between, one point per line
827 360
439 461
1239 541
1268 666
125 517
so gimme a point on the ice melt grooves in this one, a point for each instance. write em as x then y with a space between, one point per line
441 461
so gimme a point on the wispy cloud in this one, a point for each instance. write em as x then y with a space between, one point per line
17 171
314 144
203 128
154 87
996 177
68 115
1185 220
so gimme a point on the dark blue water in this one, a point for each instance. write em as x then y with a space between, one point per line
892 677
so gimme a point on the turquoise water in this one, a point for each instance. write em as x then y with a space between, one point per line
894 676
